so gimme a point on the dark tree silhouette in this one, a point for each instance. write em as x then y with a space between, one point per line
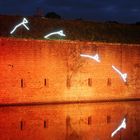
52 15
115 22
137 23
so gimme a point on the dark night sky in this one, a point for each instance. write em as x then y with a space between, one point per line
98 10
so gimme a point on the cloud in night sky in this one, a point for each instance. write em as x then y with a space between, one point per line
100 10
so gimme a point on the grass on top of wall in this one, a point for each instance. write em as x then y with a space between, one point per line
74 29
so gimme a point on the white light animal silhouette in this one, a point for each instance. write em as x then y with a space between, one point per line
95 57
124 76
25 21
54 33
122 125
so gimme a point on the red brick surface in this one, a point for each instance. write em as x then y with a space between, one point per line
24 64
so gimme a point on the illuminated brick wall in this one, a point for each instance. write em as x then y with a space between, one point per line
46 71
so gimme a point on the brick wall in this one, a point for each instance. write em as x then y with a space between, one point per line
51 71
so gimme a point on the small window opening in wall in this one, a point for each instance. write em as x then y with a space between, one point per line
45 82
21 125
90 82
21 83
108 119
68 121
68 82
109 81
89 120
45 124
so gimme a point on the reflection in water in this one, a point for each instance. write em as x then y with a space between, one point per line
90 121
71 134
122 125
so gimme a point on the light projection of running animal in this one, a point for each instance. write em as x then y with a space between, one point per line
55 33
23 23
122 125
123 76
94 57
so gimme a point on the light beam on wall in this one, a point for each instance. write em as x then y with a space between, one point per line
123 76
55 33
95 57
23 23
122 125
